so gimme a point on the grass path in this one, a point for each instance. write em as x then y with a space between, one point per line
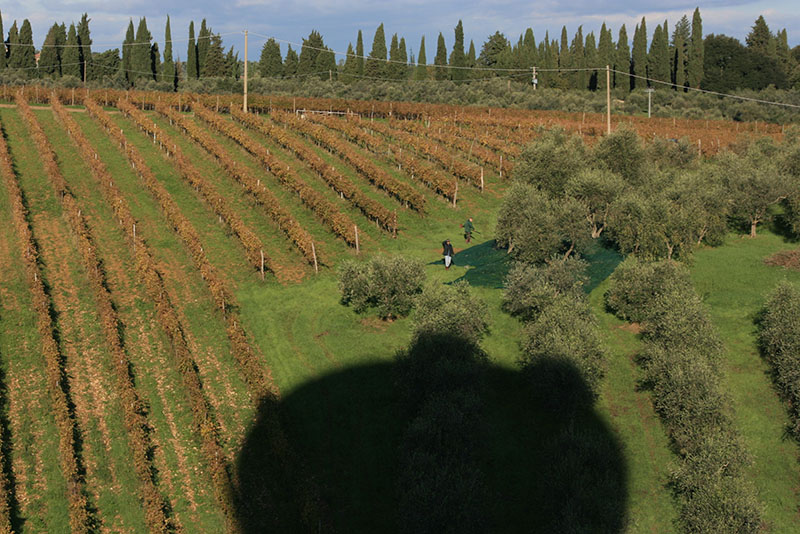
733 281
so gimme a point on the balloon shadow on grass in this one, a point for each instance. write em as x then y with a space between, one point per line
354 433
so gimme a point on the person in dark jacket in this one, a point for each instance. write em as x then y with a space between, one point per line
447 252
468 229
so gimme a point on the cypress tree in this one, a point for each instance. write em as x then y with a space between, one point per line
605 55
360 54
3 50
564 61
578 61
350 69
290 63
155 61
639 63
232 64
203 44
141 55
192 70
393 68
312 46
70 63
26 55
528 56
325 63
457 57
694 63
421 70
13 41
168 68
127 53
591 60
760 38
270 65
622 61
85 40
375 66
440 60
680 50
402 53
49 62
472 59
214 65
658 58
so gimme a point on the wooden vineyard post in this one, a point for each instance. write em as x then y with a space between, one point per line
357 248
314 254
217 108
134 237
481 179
262 264
501 168
73 96
699 147
394 227
455 194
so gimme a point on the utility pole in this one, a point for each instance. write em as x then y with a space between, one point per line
649 97
608 99
244 100
534 79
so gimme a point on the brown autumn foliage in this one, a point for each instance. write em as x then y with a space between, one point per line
249 240
325 210
252 185
168 318
377 176
80 519
132 408
413 166
371 208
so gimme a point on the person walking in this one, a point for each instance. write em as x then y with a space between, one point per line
468 229
447 252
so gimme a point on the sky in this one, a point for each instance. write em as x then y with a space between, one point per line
339 20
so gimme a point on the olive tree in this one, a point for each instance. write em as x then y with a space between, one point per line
596 189
550 161
534 227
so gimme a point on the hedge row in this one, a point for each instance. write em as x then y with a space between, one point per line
417 168
681 363
324 209
250 241
466 170
80 517
342 185
202 416
465 143
779 341
133 410
263 196
377 176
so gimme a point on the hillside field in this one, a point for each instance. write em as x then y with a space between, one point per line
174 353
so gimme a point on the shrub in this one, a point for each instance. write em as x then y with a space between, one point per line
387 284
635 285
451 310
562 354
779 341
530 288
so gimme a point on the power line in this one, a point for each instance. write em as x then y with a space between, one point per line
706 91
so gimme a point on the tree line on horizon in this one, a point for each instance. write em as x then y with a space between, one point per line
685 58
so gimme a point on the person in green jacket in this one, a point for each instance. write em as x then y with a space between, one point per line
468 229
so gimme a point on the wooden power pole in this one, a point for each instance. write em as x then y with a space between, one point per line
608 99
244 100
